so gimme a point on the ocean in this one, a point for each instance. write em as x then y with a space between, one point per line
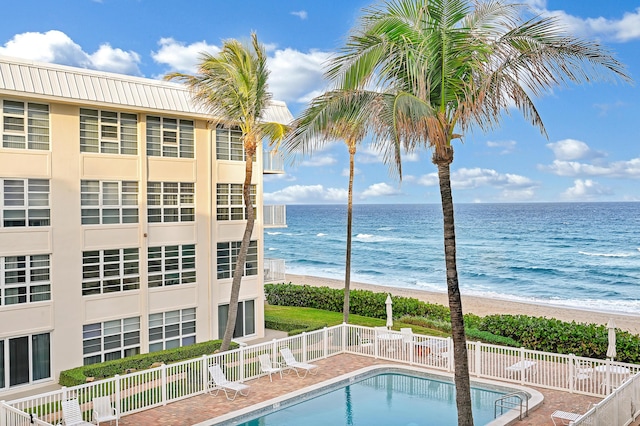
582 255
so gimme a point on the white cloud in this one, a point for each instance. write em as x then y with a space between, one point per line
369 154
586 190
302 14
622 29
56 47
306 194
182 57
380 190
619 169
506 147
318 161
477 177
296 75
345 172
571 149
428 180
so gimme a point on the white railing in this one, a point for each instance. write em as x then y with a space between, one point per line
274 270
275 216
158 386
10 416
273 162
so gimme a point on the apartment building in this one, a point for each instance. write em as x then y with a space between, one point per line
121 214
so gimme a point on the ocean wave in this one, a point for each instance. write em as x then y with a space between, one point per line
370 238
388 228
272 249
586 253
274 233
320 234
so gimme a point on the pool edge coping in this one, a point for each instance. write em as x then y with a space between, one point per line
506 419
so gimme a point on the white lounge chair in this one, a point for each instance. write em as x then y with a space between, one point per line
291 362
407 336
103 411
71 414
220 383
363 342
564 417
268 366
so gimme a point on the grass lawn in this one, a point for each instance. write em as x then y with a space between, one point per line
318 316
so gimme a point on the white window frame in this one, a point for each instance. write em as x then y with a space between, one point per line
170 137
108 132
172 329
244 326
33 353
229 144
230 201
25 125
110 271
27 196
25 279
108 202
227 254
171 265
109 340
170 202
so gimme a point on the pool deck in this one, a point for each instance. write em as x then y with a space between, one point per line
201 408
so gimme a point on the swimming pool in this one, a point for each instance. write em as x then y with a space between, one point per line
389 396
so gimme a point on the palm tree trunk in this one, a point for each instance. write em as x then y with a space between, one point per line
242 255
347 268
461 363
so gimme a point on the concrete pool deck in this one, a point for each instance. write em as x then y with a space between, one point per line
201 408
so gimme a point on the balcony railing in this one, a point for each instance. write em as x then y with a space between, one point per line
275 216
273 162
274 270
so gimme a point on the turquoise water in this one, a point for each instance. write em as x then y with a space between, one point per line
584 255
384 399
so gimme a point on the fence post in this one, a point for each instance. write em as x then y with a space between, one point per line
205 374
572 382
450 366
325 339
522 369
478 358
163 376
3 414
116 383
304 346
345 332
241 362
65 395
375 342
274 349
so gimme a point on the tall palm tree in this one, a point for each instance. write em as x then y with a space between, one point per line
334 115
457 65
232 86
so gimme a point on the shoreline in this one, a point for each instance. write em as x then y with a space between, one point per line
483 306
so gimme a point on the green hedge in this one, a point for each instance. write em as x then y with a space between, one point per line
552 335
78 375
537 333
361 302
273 322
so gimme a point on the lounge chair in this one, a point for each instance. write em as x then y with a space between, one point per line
564 417
583 371
267 366
291 363
363 342
71 414
220 383
103 411
407 336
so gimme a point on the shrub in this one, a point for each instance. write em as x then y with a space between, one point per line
274 322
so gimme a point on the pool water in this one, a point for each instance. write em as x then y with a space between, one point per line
385 399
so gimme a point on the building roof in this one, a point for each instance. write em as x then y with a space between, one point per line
59 83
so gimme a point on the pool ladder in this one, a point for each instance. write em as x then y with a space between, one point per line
512 400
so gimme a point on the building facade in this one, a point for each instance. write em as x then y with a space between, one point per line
121 214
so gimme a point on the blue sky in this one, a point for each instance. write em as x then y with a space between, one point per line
592 153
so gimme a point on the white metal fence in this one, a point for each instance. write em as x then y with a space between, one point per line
168 383
273 161
274 269
274 216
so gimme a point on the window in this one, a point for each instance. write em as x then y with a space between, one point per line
230 203
108 202
170 202
24 279
110 340
229 145
169 137
227 255
172 329
172 265
245 320
108 271
25 202
25 359
108 132
25 125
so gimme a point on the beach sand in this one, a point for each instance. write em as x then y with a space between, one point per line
484 306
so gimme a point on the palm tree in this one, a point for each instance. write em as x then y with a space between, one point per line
457 65
334 115
232 86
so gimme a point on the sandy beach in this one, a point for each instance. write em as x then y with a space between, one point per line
484 306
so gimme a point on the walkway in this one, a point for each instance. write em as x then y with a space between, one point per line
204 407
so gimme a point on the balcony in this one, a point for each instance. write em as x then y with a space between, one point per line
274 270
275 216
273 162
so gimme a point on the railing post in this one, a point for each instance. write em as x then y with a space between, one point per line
3 414
478 358
304 346
522 369
204 374
450 366
345 333
65 395
274 349
325 339
375 344
572 382
163 377
241 362
117 385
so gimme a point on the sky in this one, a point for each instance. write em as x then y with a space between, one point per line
591 153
